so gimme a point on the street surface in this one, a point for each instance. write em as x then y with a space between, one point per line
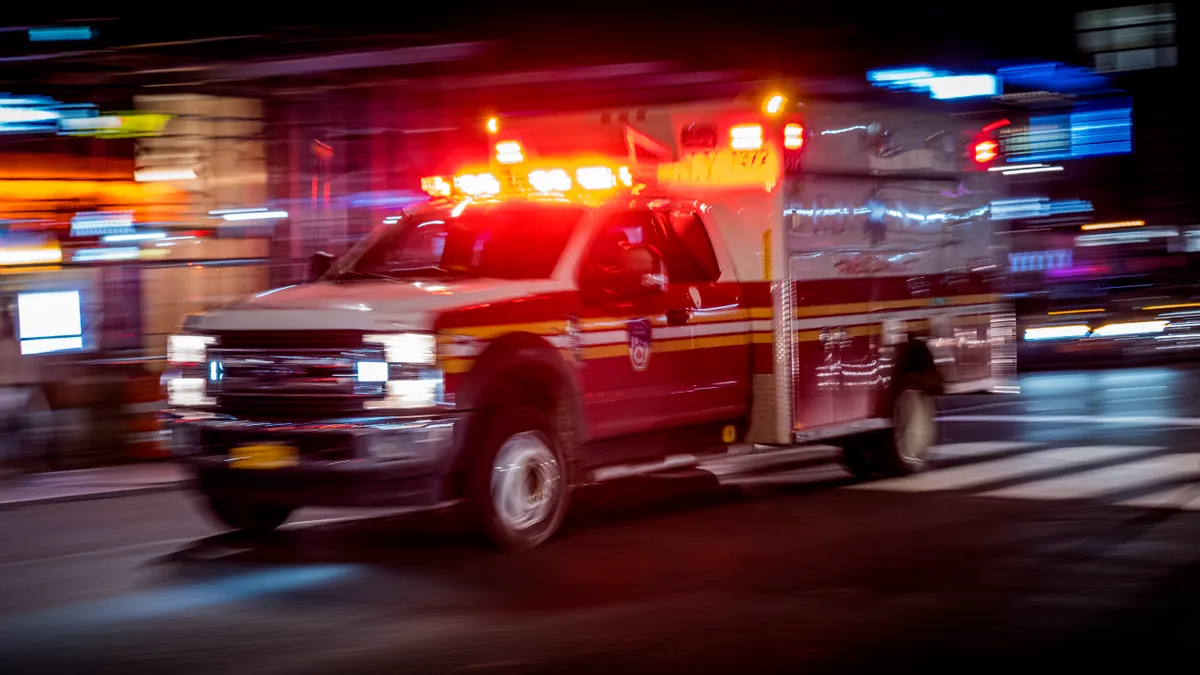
1061 529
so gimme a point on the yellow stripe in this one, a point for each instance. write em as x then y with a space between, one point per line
538 327
760 338
761 312
867 307
452 365
605 351
847 308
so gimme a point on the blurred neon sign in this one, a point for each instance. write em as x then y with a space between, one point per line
1039 261
115 125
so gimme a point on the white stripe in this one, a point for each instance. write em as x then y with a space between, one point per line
979 449
732 328
147 437
963 477
462 349
1078 419
877 317
672 332
1099 481
1185 497
761 325
603 337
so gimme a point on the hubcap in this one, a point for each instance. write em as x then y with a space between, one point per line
526 480
915 430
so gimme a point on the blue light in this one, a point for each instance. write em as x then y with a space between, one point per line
216 371
1088 133
941 85
1054 77
1038 261
898 76
61 34
962 86
1037 207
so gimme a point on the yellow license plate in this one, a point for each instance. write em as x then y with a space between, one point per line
263 457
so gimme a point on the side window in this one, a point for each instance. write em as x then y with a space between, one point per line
632 228
688 252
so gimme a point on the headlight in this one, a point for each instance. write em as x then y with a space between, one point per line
407 348
425 391
188 392
188 349
1131 328
1056 332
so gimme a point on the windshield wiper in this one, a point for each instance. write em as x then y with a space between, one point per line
347 275
427 271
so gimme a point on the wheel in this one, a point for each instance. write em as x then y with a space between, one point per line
518 487
914 431
251 518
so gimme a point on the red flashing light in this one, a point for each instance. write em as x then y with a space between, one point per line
986 151
996 125
793 137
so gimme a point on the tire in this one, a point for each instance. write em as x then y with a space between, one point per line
906 449
518 485
249 518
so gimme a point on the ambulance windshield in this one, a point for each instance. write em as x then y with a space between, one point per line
499 241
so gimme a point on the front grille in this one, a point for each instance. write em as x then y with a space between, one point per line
290 339
290 375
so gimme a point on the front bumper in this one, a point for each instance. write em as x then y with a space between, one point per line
357 462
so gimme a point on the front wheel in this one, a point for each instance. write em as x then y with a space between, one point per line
249 518
908 449
518 487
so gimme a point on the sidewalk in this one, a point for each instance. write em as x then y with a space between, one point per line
84 484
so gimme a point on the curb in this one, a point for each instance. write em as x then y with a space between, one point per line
14 504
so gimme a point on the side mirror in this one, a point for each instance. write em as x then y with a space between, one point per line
642 272
319 264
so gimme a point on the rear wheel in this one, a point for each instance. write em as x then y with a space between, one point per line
907 449
246 517
518 488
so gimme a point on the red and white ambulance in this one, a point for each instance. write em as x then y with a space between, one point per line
612 291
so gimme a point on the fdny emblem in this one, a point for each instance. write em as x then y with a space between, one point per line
639 343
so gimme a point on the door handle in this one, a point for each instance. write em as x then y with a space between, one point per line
678 317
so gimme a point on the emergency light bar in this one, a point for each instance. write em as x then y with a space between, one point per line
542 180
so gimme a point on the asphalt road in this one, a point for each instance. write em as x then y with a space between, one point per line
1060 530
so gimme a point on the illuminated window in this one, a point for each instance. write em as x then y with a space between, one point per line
50 322
1128 38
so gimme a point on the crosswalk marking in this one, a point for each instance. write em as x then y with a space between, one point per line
977 449
1185 497
1008 468
1096 482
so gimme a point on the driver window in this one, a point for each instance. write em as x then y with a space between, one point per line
605 255
419 246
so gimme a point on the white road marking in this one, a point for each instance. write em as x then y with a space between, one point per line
1186 497
1143 420
1097 482
964 477
978 449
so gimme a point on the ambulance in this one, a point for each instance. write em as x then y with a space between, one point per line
610 293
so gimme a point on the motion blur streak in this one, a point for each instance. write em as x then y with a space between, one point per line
173 602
